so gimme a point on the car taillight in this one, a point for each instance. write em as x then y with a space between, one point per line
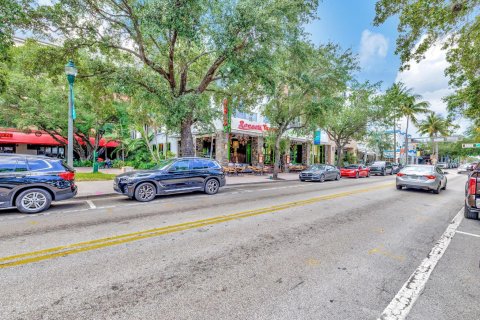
68 175
400 174
472 186
430 177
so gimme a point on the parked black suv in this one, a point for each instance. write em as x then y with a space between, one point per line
173 176
381 167
31 183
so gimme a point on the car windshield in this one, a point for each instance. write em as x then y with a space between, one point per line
163 165
317 167
352 166
378 163
417 169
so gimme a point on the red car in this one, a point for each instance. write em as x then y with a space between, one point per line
355 171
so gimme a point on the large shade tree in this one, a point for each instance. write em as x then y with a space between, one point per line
36 95
305 80
348 119
179 48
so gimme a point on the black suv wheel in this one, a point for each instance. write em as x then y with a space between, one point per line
33 201
212 186
145 192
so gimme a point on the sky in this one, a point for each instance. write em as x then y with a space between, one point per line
350 24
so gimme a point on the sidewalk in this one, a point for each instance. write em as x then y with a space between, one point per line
105 188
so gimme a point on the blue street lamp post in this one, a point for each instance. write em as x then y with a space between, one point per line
71 73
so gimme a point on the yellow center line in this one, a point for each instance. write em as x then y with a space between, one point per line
60 251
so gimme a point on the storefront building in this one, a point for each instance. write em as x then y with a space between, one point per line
38 142
248 142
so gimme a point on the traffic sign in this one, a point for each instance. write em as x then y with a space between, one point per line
471 145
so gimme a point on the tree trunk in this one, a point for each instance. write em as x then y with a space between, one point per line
339 155
157 150
406 142
436 148
147 142
276 168
187 148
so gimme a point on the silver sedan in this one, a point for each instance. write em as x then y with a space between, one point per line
426 177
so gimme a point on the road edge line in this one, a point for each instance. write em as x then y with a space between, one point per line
402 303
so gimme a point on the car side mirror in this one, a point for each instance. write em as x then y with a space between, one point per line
445 172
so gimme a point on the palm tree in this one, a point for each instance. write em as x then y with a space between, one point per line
394 97
410 108
434 125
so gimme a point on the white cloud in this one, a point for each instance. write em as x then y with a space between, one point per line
428 79
373 46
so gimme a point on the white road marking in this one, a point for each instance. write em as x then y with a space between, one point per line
468 234
91 204
403 302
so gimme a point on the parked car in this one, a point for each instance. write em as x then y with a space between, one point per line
355 171
472 195
463 168
178 175
320 172
442 165
426 177
397 167
381 167
30 183
472 166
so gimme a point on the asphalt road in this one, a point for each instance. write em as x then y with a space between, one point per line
334 250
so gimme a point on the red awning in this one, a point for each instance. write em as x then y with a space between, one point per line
12 136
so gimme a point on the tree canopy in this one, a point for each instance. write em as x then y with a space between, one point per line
305 80
179 49
453 24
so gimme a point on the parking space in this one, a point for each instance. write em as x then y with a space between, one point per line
458 268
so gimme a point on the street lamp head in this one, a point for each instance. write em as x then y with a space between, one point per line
70 71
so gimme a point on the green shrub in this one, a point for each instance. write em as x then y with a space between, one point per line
82 163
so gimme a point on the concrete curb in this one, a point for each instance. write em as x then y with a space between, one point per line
111 194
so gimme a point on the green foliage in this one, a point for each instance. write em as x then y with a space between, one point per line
348 119
82 163
90 176
455 24
182 52
304 81
36 95
379 141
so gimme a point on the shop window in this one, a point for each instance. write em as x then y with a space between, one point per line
246 116
7 149
32 147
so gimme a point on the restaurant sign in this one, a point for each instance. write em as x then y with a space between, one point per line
6 135
248 126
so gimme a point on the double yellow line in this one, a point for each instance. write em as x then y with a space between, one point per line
61 251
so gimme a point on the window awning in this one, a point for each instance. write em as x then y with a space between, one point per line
12 136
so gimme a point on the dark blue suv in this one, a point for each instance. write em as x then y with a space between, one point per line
173 176
31 183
